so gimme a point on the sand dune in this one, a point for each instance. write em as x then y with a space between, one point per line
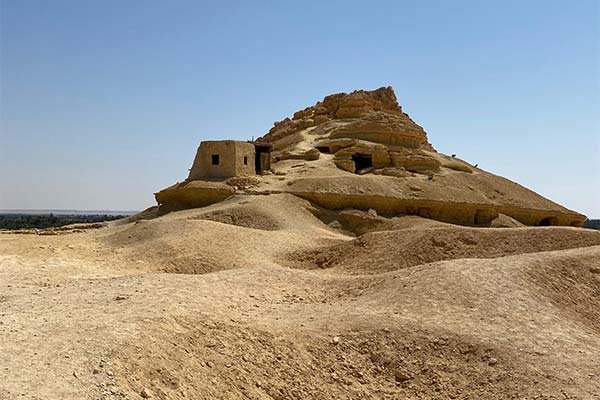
258 298
383 251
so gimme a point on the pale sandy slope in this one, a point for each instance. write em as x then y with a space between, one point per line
243 300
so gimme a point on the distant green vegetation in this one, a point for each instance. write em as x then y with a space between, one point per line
40 221
592 224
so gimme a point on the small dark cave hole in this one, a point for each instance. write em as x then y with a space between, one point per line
362 161
547 222
324 149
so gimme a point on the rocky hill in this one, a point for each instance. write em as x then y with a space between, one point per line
373 116
360 150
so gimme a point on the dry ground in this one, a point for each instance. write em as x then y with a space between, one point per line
256 298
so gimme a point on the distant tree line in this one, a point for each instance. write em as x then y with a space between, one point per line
41 221
592 224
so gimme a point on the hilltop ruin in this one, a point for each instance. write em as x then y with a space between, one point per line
360 150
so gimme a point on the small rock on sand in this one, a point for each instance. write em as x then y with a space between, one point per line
401 376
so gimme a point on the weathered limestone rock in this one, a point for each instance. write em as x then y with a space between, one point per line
504 221
378 154
360 127
335 145
344 163
415 162
386 128
191 194
308 155
341 106
359 221
321 119
242 182
361 102
397 172
380 157
307 112
457 165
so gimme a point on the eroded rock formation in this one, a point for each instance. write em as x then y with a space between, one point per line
359 150
335 107
367 131
192 194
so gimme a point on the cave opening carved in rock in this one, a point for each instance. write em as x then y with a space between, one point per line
548 221
362 162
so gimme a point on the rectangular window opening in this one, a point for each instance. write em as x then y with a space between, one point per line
215 159
245 160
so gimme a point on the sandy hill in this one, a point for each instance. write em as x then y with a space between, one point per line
272 297
360 150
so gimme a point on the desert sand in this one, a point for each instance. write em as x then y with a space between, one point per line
362 264
257 297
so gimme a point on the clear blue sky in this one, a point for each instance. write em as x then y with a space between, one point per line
104 102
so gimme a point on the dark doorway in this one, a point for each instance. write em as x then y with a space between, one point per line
262 158
361 161
483 217
215 159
